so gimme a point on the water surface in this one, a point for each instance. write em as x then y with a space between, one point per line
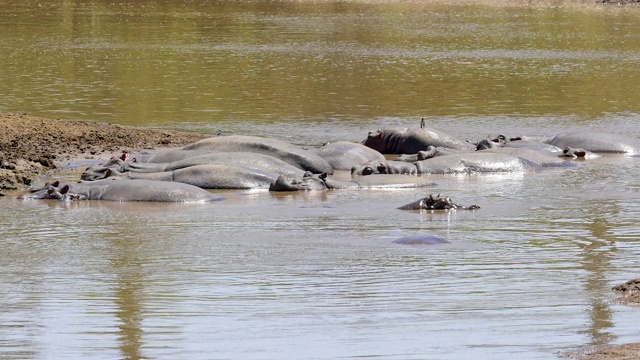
316 275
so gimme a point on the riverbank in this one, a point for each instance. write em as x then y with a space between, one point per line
32 146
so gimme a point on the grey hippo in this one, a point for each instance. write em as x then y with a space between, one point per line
326 182
122 190
411 141
436 203
294 155
343 155
478 162
597 142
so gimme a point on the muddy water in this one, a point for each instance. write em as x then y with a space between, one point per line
316 275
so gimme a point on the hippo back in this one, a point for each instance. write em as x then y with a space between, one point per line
475 163
597 142
285 151
411 141
343 155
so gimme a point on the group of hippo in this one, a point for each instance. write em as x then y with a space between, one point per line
390 158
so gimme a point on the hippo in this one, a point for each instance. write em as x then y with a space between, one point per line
122 190
325 182
343 155
541 157
213 176
436 203
258 162
629 286
597 142
294 155
167 156
489 144
533 145
385 167
475 163
430 152
461 163
421 240
410 141
578 153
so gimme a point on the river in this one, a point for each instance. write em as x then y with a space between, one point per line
316 275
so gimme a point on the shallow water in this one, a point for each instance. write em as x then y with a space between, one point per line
316 275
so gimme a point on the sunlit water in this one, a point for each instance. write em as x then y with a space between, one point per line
316 275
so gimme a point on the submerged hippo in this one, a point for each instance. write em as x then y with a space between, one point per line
597 142
436 203
421 240
325 182
122 190
411 141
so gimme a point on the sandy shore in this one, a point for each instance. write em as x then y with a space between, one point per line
31 146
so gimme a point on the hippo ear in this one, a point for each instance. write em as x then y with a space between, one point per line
56 183
108 173
123 157
382 169
64 189
323 176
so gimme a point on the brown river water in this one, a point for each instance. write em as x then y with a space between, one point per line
316 275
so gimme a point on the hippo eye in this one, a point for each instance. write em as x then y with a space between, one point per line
367 171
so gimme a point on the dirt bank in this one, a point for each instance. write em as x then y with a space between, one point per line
32 146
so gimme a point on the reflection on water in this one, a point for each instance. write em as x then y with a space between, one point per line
316 275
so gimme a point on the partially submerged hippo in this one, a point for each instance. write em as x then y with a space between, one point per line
343 155
430 152
597 142
294 155
436 203
411 141
213 176
325 182
479 162
122 190
237 169
541 157
385 167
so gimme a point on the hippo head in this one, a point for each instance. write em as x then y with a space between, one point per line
307 182
489 144
376 141
575 153
371 167
436 203
53 191
100 173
